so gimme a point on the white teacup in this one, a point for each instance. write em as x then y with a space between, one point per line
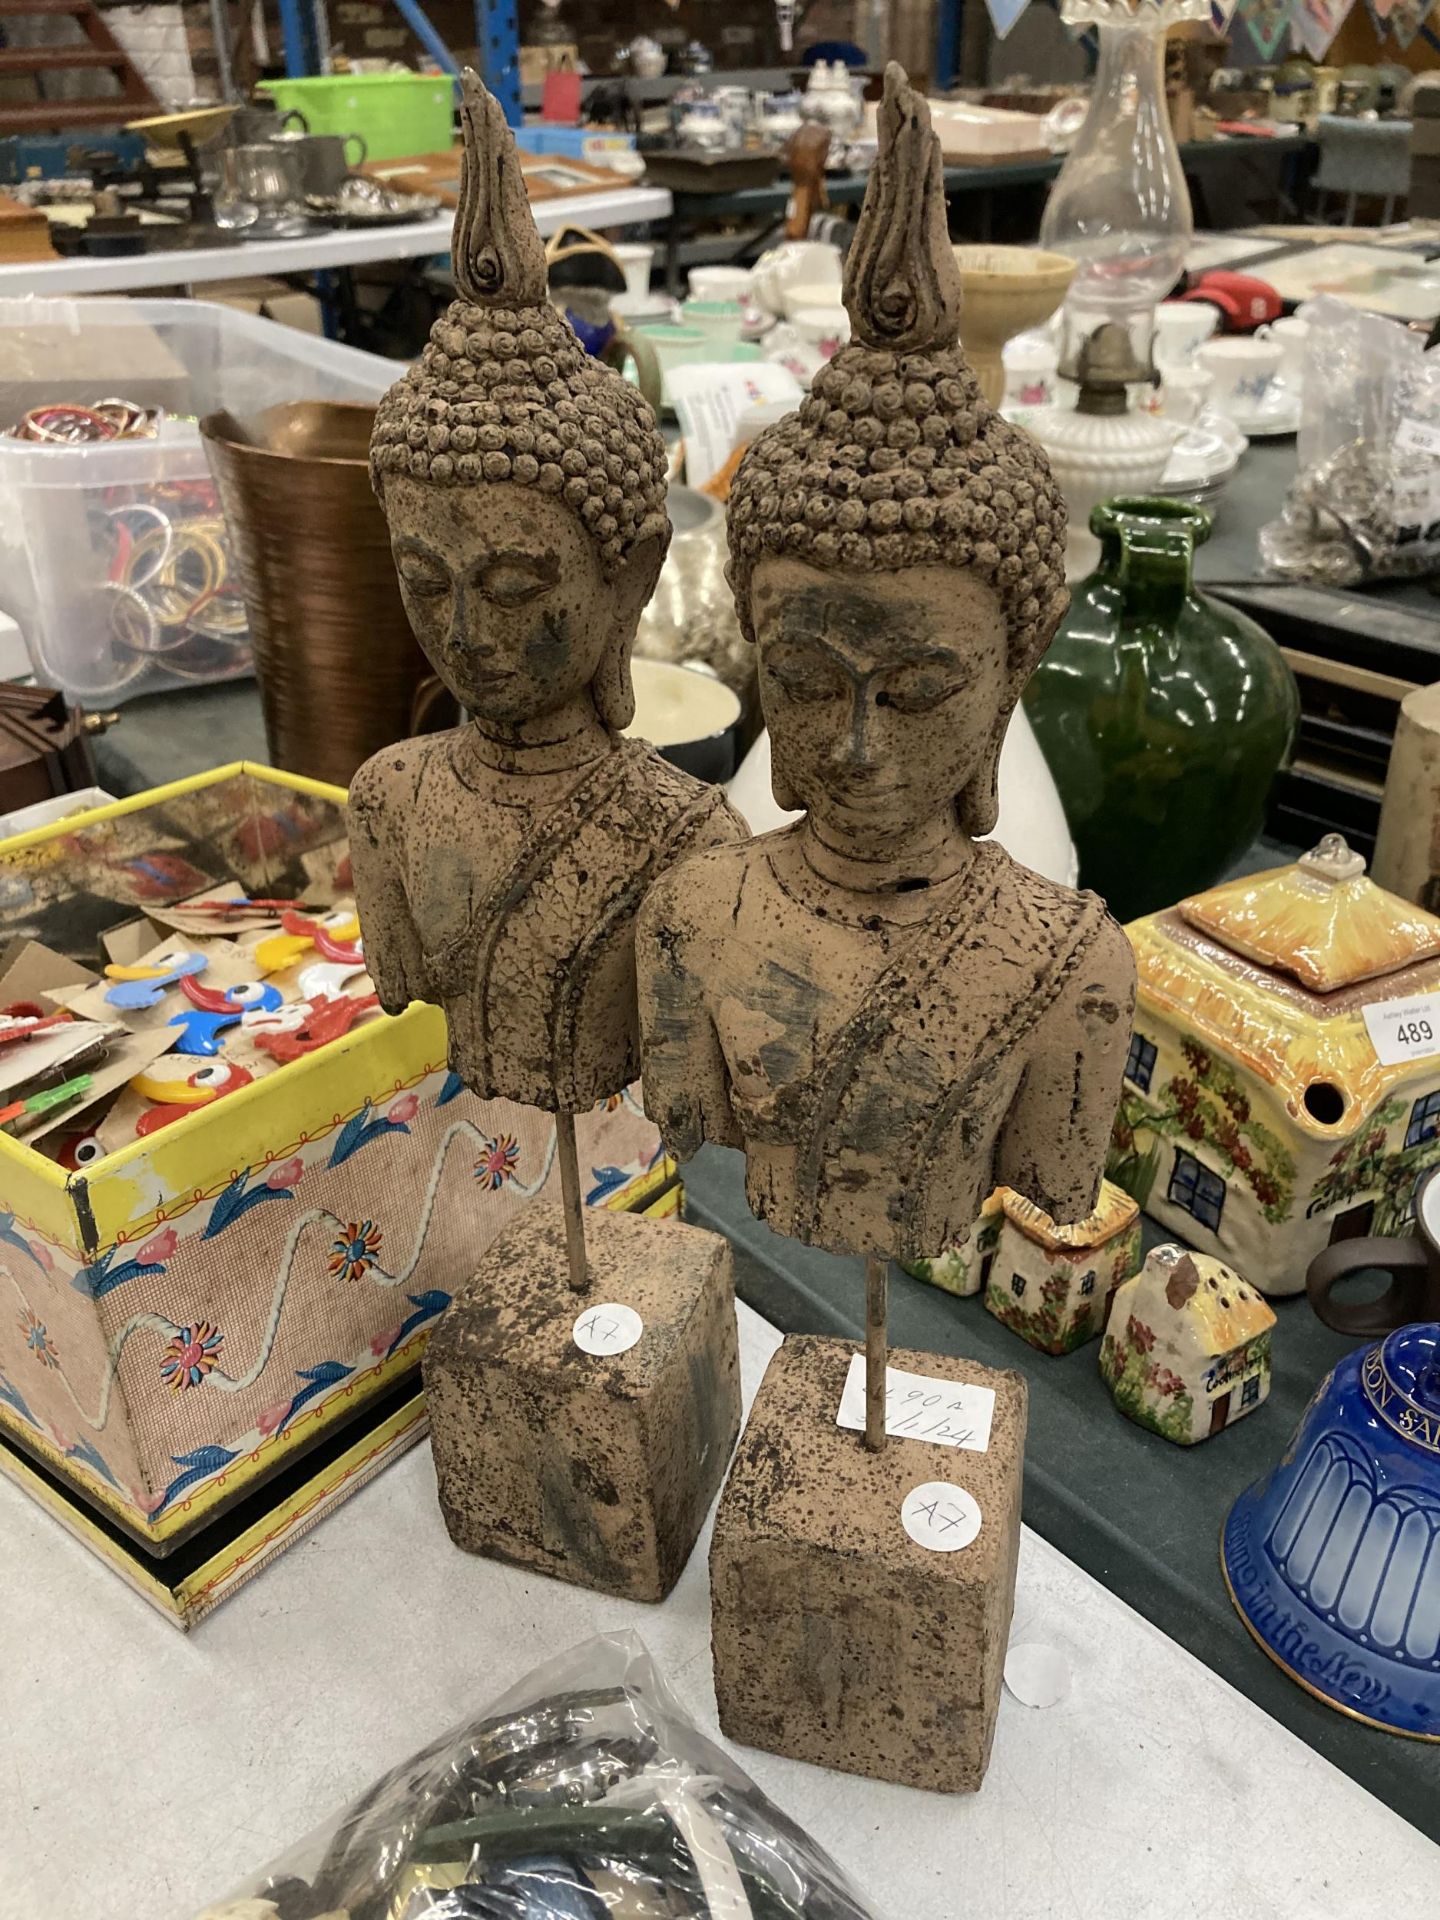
1181 328
1293 335
796 263
636 260
720 283
826 328
1184 391
809 294
1031 362
721 319
1244 367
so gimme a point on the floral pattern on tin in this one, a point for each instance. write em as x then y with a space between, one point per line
354 1250
498 1161
191 1353
38 1340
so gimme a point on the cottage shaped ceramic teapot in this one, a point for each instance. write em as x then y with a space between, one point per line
1333 1560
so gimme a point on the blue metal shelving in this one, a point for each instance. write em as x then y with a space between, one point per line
497 34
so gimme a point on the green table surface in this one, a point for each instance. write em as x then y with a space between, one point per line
1139 1514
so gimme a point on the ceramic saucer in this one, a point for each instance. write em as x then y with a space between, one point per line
1198 458
1279 413
1213 421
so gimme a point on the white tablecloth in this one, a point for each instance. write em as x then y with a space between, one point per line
143 1772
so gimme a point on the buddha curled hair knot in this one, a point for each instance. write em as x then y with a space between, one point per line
504 391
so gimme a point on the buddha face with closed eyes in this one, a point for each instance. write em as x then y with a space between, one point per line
506 594
885 693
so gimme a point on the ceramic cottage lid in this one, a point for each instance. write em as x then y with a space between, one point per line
1223 1312
1113 1214
1322 920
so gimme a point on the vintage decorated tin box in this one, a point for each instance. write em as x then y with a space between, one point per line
1283 1083
184 1317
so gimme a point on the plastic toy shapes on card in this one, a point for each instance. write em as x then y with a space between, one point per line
146 986
77 1151
327 1021
176 1098
328 977
13 1030
299 934
21 1115
214 1011
242 904
344 951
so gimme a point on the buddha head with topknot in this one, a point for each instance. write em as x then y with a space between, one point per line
522 480
896 547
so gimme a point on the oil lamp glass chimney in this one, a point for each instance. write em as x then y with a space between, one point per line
1120 207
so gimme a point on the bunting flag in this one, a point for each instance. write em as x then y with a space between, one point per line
1004 14
1220 12
1379 10
1266 21
1318 21
1406 19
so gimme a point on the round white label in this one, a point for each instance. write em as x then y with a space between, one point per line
607 1329
940 1516
1037 1675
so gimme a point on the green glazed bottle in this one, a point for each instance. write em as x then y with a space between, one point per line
1163 714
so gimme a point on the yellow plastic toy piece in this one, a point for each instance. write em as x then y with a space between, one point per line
175 1093
152 972
280 950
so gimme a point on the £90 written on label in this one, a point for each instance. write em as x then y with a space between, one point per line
929 1416
947 1413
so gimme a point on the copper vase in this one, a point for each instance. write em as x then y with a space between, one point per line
337 663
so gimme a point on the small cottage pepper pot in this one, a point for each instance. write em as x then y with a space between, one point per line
1164 715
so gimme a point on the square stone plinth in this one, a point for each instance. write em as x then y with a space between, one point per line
837 1638
595 1469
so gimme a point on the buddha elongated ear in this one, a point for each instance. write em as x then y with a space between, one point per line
629 592
978 806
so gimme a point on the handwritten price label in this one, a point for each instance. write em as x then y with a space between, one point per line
940 1517
1403 1030
1417 436
607 1329
918 1407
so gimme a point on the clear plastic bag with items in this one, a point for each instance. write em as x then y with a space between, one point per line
584 1794
1365 504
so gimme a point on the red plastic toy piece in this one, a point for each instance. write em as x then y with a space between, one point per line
328 1019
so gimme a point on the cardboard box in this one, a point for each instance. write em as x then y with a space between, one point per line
188 1315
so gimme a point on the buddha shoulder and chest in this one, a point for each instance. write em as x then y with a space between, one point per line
512 903
499 868
888 1016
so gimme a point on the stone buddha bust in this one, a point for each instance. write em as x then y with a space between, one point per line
499 867
889 1016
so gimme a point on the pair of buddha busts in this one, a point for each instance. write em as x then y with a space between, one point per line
884 1011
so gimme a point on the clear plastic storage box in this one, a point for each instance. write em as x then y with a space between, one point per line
114 558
